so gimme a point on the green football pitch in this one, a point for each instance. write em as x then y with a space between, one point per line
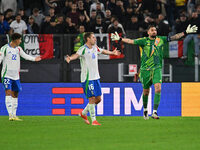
116 133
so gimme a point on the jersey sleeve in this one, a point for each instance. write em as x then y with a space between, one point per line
140 41
99 50
81 51
24 55
164 38
2 53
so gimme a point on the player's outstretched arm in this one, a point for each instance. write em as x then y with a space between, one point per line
72 57
114 52
190 29
28 57
115 37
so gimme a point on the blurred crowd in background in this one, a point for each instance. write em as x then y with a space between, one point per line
98 16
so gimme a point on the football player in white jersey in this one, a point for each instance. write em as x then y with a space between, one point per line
10 55
90 73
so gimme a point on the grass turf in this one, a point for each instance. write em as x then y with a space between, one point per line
118 133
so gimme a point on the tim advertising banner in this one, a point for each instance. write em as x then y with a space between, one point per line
118 99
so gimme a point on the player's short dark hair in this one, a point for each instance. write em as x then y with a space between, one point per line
87 35
15 36
151 26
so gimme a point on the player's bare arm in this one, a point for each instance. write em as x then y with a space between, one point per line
115 37
177 36
114 52
189 29
72 57
128 41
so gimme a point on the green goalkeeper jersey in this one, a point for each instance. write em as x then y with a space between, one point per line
151 52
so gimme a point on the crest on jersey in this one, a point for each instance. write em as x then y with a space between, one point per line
93 56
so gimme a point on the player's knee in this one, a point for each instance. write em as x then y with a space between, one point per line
98 100
145 92
92 100
158 90
8 92
15 94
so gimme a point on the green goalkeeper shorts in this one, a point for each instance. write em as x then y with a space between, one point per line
149 77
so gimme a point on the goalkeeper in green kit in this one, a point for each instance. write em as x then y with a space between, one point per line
151 61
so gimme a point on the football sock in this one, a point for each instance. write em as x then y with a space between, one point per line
9 105
156 101
14 106
145 109
154 111
86 109
145 100
92 112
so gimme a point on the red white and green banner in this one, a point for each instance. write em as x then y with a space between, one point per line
38 45
174 49
104 42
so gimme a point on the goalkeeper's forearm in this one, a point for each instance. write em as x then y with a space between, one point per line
128 41
176 36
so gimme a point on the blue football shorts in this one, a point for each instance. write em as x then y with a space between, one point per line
13 85
92 88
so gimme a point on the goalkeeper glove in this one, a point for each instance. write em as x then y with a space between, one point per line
192 29
115 37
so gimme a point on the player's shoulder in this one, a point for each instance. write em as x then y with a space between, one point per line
6 45
81 50
97 48
19 48
162 37
3 48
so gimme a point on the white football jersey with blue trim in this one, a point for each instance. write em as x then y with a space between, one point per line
11 61
89 62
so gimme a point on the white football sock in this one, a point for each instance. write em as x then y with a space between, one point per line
86 109
9 105
14 106
92 111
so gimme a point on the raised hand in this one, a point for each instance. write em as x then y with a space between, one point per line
67 58
115 36
116 52
192 29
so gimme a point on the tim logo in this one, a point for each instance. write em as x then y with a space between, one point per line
74 100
